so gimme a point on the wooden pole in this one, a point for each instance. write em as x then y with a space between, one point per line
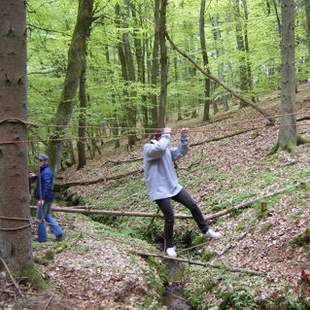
203 264
94 210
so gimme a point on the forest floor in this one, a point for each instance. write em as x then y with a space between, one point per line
95 267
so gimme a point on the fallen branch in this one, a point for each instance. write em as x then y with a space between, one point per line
203 264
211 77
254 201
48 302
11 276
223 137
119 162
61 186
304 118
94 210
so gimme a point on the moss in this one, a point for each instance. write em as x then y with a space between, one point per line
302 239
33 276
265 228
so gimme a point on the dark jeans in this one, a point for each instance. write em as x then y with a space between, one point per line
185 199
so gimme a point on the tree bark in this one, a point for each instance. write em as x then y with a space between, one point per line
247 46
139 44
82 119
15 238
76 55
155 63
128 72
288 133
307 10
207 82
241 48
163 63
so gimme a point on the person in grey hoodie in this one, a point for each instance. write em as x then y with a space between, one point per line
162 183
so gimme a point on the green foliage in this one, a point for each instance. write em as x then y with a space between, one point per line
238 299
33 276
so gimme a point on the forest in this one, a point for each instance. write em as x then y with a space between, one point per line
85 85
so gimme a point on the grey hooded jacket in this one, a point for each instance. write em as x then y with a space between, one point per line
159 173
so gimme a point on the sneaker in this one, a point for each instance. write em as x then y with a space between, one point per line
212 234
171 252
59 238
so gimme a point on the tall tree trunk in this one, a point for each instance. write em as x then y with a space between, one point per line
15 236
82 119
207 82
241 49
275 6
140 59
219 46
114 122
176 78
163 63
76 54
307 9
128 65
155 63
288 133
246 45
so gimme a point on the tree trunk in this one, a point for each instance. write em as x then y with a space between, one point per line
275 6
15 236
163 63
140 59
247 47
76 54
176 78
128 73
241 49
307 9
207 82
82 120
114 122
155 63
288 133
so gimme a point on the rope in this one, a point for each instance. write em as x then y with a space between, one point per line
15 218
15 228
17 120
102 126
116 137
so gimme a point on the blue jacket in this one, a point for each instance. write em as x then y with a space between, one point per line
159 173
44 188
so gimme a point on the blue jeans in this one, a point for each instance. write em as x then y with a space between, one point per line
44 214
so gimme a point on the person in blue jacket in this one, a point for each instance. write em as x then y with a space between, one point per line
44 196
162 183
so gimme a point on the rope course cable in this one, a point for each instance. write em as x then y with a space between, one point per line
15 228
100 126
18 121
116 137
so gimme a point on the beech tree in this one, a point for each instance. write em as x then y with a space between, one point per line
288 133
15 228
76 54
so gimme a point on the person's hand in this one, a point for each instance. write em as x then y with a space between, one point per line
184 131
40 203
167 130
32 175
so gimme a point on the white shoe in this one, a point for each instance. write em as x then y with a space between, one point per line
171 252
212 234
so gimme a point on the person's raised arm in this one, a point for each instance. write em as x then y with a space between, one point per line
182 148
157 149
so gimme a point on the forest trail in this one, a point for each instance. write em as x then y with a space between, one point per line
94 269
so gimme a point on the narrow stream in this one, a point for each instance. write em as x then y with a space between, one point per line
173 296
